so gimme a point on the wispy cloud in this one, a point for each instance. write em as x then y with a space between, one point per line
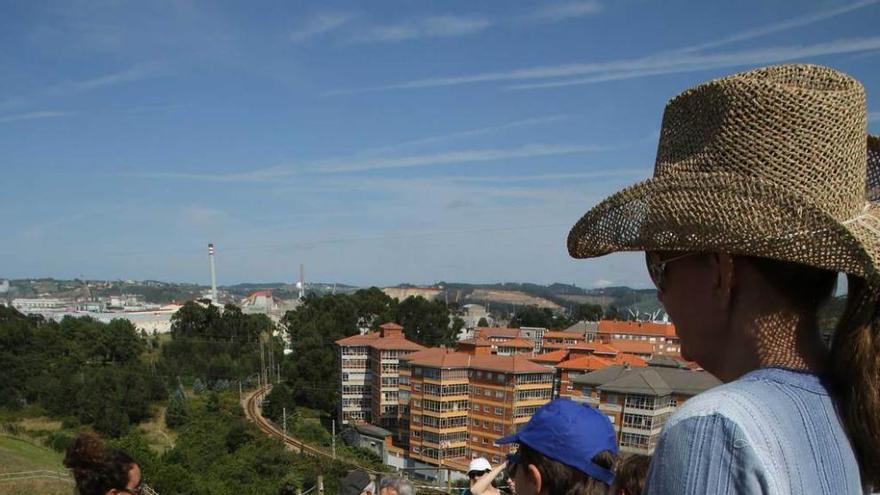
318 25
33 116
361 164
564 11
599 174
873 116
427 27
482 131
661 63
454 157
698 62
784 25
134 73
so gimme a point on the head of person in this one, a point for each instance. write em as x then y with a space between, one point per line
765 187
631 475
565 448
477 468
357 482
396 486
101 471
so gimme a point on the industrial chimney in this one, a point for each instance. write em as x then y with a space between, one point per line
213 273
302 282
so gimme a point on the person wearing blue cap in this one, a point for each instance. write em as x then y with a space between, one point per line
565 448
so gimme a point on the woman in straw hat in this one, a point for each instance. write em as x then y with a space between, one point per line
764 189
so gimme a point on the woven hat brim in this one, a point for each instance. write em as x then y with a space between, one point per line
726 213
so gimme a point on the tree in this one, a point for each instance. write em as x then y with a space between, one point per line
176 414
312 369
426 322
587 312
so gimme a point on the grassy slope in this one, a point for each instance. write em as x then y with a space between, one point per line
18 455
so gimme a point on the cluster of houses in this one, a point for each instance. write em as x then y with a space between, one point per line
420 407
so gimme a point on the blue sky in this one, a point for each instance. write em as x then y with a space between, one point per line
375 142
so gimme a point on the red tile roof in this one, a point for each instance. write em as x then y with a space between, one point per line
441 358
597 348
391 326
479 342
633 346
637 328
629 359
585 363
376 341
518 343
563 335
551 357
497 332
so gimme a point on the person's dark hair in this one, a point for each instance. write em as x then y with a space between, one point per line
631 475
855 351
560 479
97 469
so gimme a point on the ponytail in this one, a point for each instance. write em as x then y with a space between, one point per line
96 469
855 370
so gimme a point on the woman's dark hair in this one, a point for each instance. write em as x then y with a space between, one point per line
855 351
96 469
560 479
631 475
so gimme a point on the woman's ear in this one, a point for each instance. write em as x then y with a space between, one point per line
534 476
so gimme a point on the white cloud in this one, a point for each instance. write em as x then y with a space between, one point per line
427 27
698 62
452 157
602 282
784 25
534 121
201 216
361 164
567 10
318 25
134 73
873 116
33 116
660 63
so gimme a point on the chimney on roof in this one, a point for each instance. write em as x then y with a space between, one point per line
390 329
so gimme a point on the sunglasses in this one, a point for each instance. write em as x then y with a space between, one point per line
657 266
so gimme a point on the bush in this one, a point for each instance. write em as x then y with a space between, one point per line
60 441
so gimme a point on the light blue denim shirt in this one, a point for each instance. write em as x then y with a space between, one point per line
773 431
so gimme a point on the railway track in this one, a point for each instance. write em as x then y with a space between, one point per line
253 413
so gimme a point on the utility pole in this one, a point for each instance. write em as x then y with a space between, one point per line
284 425
333 440
263 362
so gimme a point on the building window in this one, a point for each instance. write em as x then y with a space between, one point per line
499 427
416 449
496 459
499 394
486 409
610 418
499 411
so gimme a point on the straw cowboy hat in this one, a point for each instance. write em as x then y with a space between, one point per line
774 162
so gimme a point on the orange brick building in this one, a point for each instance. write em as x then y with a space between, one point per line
369 375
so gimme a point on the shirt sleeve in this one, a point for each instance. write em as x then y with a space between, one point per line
703 455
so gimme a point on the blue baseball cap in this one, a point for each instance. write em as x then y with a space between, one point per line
570 433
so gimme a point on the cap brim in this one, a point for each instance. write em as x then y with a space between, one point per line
507 439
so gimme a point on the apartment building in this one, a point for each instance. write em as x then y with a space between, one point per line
638 401
370 377
661 334
458 404
559 340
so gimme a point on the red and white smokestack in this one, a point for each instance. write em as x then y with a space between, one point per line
213 273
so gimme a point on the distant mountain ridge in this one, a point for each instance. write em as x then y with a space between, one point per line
502 295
